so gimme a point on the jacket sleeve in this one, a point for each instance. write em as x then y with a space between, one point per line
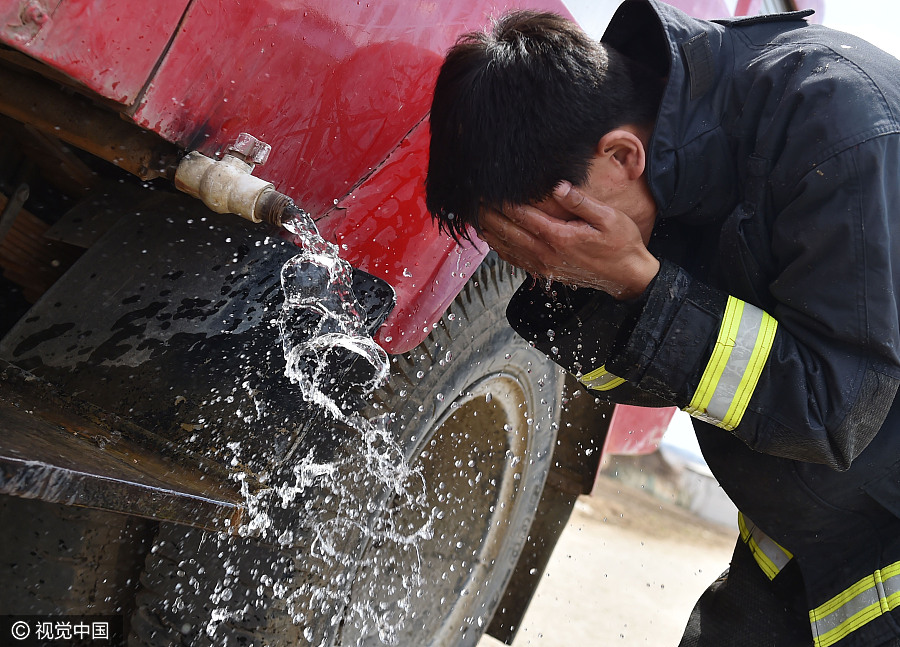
814 377
577 328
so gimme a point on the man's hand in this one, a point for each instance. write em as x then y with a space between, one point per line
591 245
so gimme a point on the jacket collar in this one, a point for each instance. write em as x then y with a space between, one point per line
685 172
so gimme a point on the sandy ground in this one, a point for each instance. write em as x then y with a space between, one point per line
626 572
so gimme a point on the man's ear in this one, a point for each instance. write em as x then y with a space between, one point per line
625 151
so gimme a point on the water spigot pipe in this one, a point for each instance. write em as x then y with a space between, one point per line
226 186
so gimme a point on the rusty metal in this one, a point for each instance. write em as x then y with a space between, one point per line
250 149
58 162
274 208
27 257
63 114
31 18
34 12
59 450
12 208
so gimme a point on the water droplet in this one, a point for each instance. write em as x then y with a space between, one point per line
317 281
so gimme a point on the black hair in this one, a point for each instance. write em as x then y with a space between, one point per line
520 108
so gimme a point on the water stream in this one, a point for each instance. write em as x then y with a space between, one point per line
352 486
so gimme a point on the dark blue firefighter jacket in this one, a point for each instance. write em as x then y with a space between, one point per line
774 320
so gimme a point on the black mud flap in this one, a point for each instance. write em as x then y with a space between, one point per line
166 326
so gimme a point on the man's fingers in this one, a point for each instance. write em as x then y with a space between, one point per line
536 221
496 224
509 253
568 195
576 202
503 235
513 243
507 227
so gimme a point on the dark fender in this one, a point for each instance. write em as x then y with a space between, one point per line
164 331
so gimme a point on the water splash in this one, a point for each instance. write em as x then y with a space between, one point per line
318 282
330 356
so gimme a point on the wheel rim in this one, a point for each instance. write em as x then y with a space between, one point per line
472 465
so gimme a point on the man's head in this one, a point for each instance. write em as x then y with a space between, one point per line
523 107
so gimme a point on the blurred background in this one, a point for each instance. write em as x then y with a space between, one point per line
874 20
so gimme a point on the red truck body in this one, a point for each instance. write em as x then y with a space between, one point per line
333 87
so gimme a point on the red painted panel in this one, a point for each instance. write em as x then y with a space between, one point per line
332 86
381 227
636 430
110 46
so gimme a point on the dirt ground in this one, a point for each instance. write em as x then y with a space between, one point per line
626 572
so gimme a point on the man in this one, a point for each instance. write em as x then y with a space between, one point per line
711 214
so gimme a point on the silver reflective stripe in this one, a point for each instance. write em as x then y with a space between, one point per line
738 357
767 552
601 380
871 597
744 342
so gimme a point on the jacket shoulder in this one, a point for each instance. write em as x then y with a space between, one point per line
746 21
815 85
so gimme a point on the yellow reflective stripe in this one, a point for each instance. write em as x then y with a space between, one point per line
770 556
761 348
601 380
719 358
869 598
853 623
737 360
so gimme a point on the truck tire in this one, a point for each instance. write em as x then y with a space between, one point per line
476 409
479 409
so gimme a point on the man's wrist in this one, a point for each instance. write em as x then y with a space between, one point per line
639 279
